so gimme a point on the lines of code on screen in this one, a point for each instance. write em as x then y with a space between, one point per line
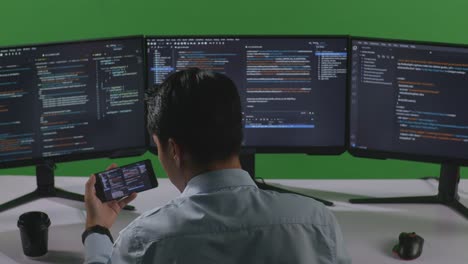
293 90
410 98
71 98
121 182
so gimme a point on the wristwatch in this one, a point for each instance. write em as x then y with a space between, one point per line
96 229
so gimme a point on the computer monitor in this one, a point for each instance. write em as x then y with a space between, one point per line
408 102
292 88
70 101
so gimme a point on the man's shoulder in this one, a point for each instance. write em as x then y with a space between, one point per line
152 225
299 206
199 213
169 210
163 220
270 203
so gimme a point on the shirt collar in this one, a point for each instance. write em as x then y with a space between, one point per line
213 180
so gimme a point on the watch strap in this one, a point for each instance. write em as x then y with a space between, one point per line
96 229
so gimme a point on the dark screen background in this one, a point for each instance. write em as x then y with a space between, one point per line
71 98
409 98
293 90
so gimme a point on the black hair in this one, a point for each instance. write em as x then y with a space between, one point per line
201 111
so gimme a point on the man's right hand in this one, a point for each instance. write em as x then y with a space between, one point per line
99 213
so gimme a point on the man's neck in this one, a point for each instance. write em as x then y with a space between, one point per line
230 163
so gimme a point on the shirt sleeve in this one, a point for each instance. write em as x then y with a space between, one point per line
341 254
98 249
127 248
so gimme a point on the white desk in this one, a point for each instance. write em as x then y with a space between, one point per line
370 231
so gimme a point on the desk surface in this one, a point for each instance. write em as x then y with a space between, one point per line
370 231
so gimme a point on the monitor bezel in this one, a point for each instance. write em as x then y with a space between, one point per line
113 153
311 150
382 154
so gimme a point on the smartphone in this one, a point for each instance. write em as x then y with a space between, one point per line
117 183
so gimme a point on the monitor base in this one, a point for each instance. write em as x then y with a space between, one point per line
455 204
247 159
46 188
448 192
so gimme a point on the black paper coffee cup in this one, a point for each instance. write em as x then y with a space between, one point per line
34 229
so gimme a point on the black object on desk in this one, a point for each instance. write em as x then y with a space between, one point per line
34 229
409 246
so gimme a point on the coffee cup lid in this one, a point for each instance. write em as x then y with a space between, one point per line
34 218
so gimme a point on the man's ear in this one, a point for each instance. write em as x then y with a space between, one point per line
156 140
176 152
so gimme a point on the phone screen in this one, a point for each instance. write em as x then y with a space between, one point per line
119 182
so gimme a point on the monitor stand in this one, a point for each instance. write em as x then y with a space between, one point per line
247 159
448 192
46 188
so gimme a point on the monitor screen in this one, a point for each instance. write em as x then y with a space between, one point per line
58 100
292 89
409 98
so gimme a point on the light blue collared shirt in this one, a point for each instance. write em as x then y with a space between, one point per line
222 217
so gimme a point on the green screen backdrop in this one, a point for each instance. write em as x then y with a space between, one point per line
38 21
